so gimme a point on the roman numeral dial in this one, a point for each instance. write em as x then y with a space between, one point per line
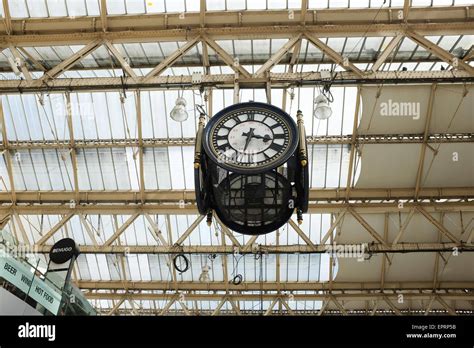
250 137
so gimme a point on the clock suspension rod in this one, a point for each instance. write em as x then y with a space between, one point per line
198 145
302 141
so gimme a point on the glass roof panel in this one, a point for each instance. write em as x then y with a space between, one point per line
18 8
231 5
256 4
338 3
155 6
116 7
135 6
175 6
37 8
57 8
277 4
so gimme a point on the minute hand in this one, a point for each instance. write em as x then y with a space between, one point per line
249 136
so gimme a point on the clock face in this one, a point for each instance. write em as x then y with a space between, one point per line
250 137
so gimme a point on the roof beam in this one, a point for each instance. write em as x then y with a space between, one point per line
69 62
219 306
169 60
123 63
141 179
190 229
103 15
205 58
72 150
228 233
301 312
406 9
335 57
403 227
323 307
21 228
7 157
202 13
329 232
55 228
156 232
375 248
7 19
439 52
275 59
392 306
165 142
174 208
303 235
88 228
338 305
384 267
38 66
450 310
249 244
437 20
352 157
122 229
116 306
421 161
386 52
169 304
438 225
23 68
369 228
430 304
285 304
226 81
226 57
304 10
454 289
104 65
328 195
270 308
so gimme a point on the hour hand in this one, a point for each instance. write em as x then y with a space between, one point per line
265 138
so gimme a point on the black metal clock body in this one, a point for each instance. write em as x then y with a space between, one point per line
250 138
250 171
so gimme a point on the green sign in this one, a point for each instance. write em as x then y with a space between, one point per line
21 276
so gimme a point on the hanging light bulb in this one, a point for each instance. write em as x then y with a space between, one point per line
179 112
322 109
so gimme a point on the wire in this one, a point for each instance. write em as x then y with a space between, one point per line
326 91
261 282
237 279
201 110
179 267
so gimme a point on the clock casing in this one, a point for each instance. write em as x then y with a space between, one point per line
250 138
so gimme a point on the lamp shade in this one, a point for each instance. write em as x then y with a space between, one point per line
322 109
179 112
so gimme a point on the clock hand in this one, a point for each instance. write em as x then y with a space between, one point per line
265 138
249 137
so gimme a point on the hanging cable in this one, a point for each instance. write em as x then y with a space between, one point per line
178 262
237 279
261 283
